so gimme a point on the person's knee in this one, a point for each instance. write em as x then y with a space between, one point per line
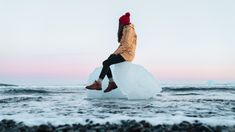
105 63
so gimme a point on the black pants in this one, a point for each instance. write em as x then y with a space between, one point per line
112 59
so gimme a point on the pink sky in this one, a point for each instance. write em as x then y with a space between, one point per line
76 69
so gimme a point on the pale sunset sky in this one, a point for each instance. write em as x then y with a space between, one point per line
63 41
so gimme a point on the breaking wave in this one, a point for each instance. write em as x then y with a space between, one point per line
184 89
19 99
25 91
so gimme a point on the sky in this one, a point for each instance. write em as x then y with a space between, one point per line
62 42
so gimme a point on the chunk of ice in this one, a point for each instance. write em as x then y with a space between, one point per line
133 81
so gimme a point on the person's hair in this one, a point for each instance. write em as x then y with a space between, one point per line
120 29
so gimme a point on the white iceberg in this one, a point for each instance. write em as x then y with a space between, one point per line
133 81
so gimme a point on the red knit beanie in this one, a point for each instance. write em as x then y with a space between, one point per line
125 19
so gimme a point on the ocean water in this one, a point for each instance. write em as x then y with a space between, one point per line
210 104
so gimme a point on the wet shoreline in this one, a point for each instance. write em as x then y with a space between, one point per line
123 126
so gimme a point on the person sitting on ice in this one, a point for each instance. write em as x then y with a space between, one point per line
125 52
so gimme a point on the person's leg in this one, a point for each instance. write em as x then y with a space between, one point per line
110 76
109 73
102 74
112 85
114 59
